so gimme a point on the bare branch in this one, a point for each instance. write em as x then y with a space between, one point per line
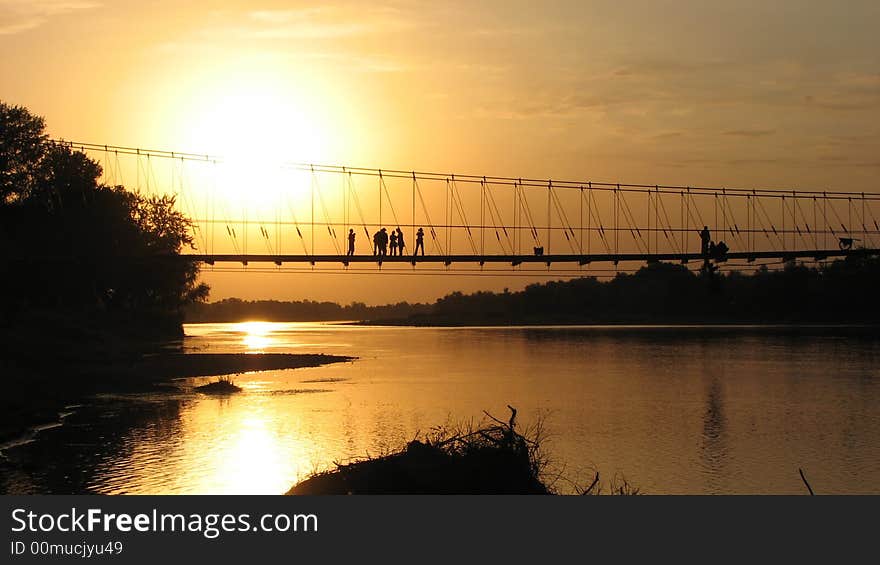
803 478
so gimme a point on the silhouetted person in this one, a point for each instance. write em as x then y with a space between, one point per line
393 243
383 242
721 250
705 240
420 242
400 244
351 236
377 243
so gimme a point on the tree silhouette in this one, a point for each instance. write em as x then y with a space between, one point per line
22 143
73 244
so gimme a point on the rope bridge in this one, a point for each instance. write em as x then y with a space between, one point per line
302 213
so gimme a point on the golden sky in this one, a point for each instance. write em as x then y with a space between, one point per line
783 93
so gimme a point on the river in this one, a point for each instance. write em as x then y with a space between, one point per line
672 410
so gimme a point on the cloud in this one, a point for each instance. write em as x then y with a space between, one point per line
749 162
846 162
657 68
324 22
861 139
662 94
17 16
345 59
308 23
328 35
353 62
667 135
740 162
769 83
868 81
553 104
749 132
506 32
844 101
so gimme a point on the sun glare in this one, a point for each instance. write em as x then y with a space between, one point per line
257 336
256 124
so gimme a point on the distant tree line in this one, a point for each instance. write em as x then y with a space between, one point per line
236 310
664 293
76 248
843 291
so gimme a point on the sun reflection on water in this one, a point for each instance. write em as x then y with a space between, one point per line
241 446
249 461
257 336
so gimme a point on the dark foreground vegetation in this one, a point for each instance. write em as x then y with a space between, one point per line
492 458
221 386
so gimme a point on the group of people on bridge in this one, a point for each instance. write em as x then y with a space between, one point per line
709 249
382 241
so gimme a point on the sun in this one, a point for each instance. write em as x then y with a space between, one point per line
257 125
255 116
253 124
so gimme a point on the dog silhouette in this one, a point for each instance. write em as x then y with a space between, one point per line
539 251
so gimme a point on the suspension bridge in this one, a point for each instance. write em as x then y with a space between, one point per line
282 214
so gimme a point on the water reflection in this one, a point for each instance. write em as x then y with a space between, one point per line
243 456
87 452
693 411
257 335
246 444
713 449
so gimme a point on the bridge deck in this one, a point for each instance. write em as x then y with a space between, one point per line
521 259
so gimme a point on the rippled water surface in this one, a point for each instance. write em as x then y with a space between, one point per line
694 410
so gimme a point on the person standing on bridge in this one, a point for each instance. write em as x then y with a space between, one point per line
420 242
393 243
377 242
383 242
400 244
705 239
351 236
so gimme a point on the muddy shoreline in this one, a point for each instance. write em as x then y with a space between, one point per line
38 393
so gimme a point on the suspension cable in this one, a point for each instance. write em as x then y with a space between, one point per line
427 217
331 231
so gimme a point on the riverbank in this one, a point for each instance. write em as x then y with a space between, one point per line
690 329
161 367
36 392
